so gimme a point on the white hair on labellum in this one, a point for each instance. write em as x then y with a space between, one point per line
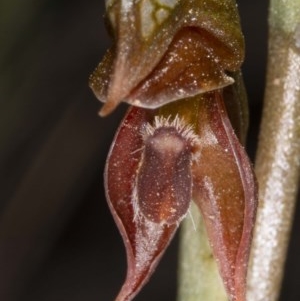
185 130
135 204
192 219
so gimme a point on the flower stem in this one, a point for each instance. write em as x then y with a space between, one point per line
278 155
198 273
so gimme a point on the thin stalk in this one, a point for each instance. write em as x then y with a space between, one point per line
278 155
198 273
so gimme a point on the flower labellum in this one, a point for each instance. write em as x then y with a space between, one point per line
164 183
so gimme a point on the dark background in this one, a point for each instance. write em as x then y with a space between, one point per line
57 237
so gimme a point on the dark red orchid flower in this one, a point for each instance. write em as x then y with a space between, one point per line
172 60
158 165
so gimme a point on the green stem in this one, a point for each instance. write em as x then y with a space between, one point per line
198 273
278 156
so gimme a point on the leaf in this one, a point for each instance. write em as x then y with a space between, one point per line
224 188
150 34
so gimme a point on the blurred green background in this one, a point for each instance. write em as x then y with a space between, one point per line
57 237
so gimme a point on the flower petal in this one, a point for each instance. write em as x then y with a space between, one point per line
188 68
144 31
224 188
236 102
145 240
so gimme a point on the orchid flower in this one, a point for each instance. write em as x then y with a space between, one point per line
176 144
